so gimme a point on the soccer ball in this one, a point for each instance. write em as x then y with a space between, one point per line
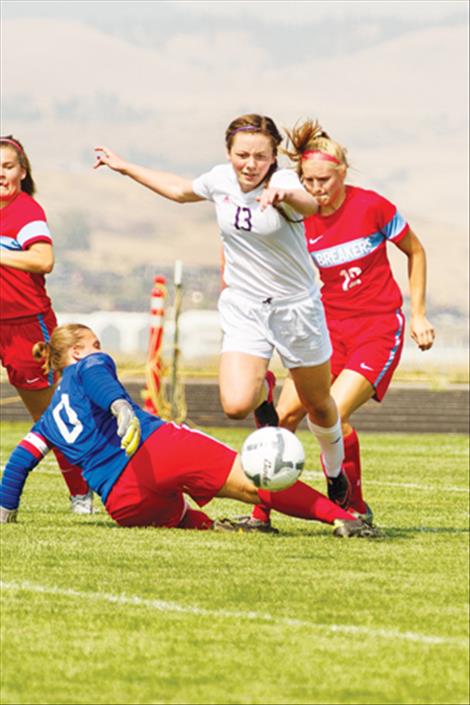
272 458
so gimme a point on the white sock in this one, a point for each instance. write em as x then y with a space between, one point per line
331 444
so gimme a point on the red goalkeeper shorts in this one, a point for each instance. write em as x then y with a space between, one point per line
174 460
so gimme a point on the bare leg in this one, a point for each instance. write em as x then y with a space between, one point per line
241 381
299 500
238 486
313 387
290 409
350 390
36 401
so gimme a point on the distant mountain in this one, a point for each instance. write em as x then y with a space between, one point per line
399 105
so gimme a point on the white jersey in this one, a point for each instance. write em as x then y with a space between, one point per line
265 254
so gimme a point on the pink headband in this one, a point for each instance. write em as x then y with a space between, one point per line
9 141
322 156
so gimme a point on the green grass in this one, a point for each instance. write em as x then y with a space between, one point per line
96 614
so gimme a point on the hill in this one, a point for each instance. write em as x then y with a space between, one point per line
399 105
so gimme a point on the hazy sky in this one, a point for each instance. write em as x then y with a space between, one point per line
160 81
290 12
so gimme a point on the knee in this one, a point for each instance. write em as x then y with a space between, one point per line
235 410
238 406
290 420
324 411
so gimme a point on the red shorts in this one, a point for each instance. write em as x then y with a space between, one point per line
17 337
369 345
172 461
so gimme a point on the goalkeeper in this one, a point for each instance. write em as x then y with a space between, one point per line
140 465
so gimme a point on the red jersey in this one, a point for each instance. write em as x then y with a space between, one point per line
349 249
22 223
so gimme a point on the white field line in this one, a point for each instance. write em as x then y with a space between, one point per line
406 485
48 467
164 606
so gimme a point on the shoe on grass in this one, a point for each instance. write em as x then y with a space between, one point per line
244 525
347 528
367 516
82 503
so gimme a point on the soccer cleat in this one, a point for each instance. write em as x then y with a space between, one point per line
347 528
266 414
82 503
264 527
367 517
339 490
243 525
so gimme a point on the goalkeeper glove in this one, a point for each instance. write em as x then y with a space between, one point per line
128 425
8 516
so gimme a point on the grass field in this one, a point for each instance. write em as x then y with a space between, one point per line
96 614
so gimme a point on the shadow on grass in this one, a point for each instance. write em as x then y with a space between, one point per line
400 532
391 533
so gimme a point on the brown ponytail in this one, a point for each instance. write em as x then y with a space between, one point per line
54 354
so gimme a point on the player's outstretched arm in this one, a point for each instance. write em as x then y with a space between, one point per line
298 199
422 331
23 459
171 186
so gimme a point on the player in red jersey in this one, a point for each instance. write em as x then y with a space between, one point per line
26 313
347 240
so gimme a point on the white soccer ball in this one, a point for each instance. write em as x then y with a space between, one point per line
272 458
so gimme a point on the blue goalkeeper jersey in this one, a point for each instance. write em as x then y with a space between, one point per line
78 422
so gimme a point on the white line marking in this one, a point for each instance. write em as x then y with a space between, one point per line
164 606
44 466
407 485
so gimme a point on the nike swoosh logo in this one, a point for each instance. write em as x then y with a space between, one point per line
30 381
313 240
366 367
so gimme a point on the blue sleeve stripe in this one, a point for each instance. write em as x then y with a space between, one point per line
395 226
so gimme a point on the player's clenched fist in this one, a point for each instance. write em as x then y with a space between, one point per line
128 426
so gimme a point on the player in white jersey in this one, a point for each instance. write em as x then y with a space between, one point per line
271 301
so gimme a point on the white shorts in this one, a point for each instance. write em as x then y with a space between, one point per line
295 328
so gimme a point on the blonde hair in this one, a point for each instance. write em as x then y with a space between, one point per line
54 354
310 136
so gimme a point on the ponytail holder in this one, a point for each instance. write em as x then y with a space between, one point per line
321 156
